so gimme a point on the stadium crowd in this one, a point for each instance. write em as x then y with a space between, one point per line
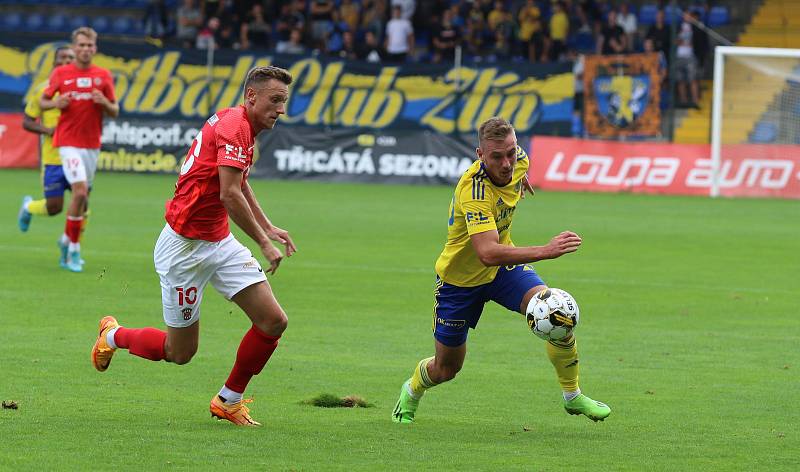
423 31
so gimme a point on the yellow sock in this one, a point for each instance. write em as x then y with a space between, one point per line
420 380
564 357
38 207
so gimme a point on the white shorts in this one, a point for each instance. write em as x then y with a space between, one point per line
79 164
185 266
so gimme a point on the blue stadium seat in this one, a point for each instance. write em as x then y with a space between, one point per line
58 22
122 25
718 16
12 22
77 21
647 14
34 22
764 132
668 14
101 24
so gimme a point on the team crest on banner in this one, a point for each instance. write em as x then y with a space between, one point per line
622 95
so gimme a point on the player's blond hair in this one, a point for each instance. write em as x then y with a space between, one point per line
262 74
494 129
84 31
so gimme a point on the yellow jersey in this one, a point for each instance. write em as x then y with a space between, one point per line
49 118
478 206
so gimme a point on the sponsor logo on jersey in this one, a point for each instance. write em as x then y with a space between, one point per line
476 218
236 153
84 82
69 81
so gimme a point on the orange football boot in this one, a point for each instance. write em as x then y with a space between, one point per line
101 351
237 413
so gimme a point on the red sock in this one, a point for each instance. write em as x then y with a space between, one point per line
254 352
143 342
73 228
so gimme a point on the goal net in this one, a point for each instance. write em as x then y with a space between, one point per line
755 124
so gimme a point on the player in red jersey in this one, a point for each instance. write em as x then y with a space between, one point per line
85 94
197 247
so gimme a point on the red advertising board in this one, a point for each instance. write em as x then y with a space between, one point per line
18 148
681 169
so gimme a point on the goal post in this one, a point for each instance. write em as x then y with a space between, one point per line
755 111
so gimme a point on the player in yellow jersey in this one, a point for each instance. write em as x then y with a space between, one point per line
43 122
480 263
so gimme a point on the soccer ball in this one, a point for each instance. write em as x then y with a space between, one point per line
552 314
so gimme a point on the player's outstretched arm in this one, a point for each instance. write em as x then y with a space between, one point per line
232 197
273 232
491 253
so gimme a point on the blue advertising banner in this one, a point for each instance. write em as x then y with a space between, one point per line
162 84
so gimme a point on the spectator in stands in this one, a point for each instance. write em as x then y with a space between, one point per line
659 35
559 28
189 20
500 19
399 37
369 50
349 12
207 37
321 17
445 38
686 66
226 36
372 17
255 30
294 45
335 42
348 50
290 19
612 39
473 37
629 24
407 8
530 32
501 50
155 19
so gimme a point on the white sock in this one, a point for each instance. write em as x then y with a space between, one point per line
74 247
570 395
408 389
110 338
64 239
230 396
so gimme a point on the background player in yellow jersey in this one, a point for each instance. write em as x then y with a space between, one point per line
480 263
43 122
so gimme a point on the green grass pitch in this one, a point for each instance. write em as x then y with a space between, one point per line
689 331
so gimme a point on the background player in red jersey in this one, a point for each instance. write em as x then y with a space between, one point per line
197 247
85 94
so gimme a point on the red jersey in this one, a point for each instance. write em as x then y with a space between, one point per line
226 139
81 122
